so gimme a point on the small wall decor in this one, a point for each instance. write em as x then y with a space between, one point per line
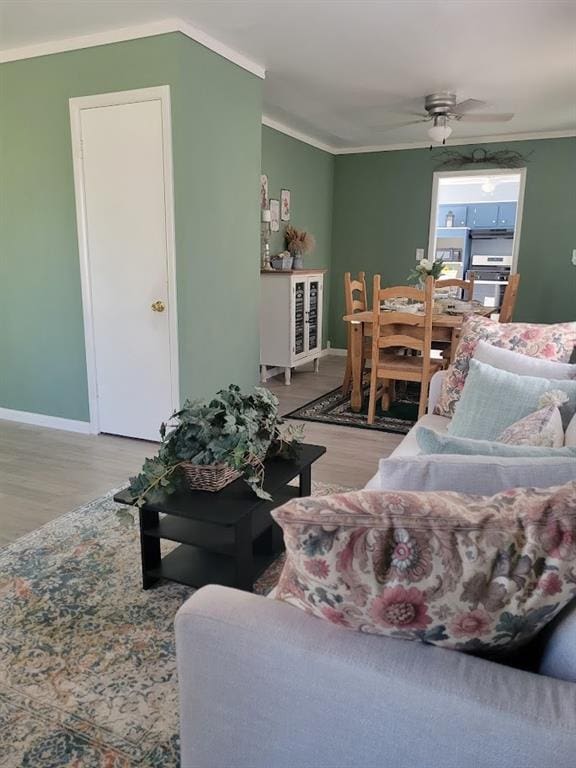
285 205
503 158
275 215
263 191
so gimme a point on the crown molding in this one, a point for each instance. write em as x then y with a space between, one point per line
163 27
535 136
270 123
457 143
225 51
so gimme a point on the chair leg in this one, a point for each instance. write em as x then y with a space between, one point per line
386 399
347 382
373 395
424 388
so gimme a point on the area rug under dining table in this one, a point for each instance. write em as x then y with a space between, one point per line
87 657
334 407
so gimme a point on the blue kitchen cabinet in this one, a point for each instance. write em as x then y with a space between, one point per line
507 214
483 215
459 212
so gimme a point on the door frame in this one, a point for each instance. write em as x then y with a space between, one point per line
480 172
162 94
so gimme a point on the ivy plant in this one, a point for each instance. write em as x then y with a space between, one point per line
236 429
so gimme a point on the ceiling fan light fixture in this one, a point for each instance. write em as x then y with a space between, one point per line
440 131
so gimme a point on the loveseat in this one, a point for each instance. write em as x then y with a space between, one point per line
264 685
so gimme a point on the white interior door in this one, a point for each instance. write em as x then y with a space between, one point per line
126 237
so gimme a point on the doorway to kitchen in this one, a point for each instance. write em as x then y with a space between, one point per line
475 224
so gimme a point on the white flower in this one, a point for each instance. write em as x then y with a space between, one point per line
425 264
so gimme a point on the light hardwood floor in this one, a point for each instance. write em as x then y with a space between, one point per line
45 472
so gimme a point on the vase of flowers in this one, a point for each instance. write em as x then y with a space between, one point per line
298 242
425 269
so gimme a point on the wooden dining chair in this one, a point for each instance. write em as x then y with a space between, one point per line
356 299
509 300
466 294
466 286
394 331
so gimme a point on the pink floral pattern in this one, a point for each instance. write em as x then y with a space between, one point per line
553 342
465 572
472 624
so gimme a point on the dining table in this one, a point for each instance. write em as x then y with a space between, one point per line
446 328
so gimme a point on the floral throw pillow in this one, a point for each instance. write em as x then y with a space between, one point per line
552 342
471 573
543 427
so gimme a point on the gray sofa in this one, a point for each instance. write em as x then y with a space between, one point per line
264 685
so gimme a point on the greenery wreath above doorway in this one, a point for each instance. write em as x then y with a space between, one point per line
502 158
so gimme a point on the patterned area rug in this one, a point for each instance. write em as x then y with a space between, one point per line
334 408
87 658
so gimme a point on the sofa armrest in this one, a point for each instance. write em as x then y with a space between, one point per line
264 685
435 389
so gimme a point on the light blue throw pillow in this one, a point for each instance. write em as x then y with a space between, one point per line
430 441
493 399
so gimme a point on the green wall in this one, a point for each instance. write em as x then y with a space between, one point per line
382 214
216 124
309 175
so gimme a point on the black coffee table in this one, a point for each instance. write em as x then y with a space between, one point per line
228 537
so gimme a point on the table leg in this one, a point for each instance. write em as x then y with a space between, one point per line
454 339
149 547
244 556
356 340
306 481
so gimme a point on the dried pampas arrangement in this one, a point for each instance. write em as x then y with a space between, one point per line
298 242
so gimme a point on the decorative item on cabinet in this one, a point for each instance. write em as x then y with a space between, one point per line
265 239
282 262
298 243
290 321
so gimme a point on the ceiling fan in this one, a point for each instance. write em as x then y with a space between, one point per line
442 108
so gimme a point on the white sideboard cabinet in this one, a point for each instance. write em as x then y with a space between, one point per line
290 319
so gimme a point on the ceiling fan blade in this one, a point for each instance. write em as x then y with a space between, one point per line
502 117
411 122
384 128
468 105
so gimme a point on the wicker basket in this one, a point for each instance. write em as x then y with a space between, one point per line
209 477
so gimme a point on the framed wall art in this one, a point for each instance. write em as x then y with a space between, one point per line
274 215
285 205
263 191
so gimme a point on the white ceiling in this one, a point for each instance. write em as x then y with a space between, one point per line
347 72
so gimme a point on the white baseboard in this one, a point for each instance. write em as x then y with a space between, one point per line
42 420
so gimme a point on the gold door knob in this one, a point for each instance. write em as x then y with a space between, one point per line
158 306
